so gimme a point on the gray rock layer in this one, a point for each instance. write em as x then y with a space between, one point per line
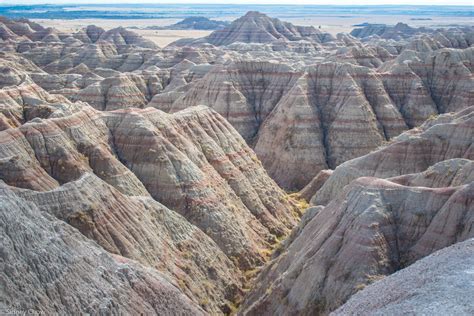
438 284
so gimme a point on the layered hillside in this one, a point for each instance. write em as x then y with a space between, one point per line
446 137
458 38
255 27
143 180
121 178
293 99
193 23
330 112
373 227
50 267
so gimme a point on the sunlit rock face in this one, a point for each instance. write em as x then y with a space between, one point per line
51 267
331 112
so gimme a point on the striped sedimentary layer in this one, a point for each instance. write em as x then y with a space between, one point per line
293 94
106 174
49 267
372 227
255 27
446 137
333 111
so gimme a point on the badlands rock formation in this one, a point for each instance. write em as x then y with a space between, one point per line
412 152
437 284
373 89
50 267
121 178
331 112
457 38
373 227
396 32
255 27
134 178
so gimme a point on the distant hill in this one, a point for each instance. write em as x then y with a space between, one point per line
194 23
256 27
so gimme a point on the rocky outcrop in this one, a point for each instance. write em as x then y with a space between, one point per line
255 27
311 188
193 162
312 116
460 37
177 174
245 93
50 267
22 100
121 36
411 152
438 283
396 32
314 120
122 91
445 74
373 228
142 229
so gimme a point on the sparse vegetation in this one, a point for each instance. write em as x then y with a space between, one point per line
300 204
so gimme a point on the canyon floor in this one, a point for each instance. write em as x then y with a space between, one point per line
265 167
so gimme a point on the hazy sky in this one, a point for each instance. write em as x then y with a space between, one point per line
341 2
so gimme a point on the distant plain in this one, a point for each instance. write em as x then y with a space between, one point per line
333 19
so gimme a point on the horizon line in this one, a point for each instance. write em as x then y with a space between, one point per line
241 4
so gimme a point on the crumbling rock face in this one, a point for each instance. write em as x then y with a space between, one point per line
447 137
245 93
25 101
122 91
445 74
141 229
193 162
331 112
439 283
50 267
373 228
